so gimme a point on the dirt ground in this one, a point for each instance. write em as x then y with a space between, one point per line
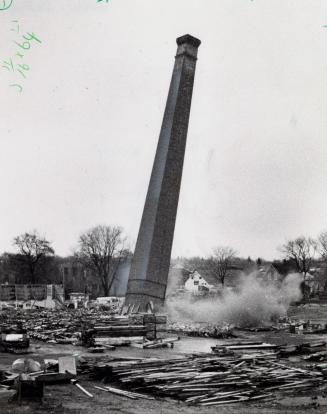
67 399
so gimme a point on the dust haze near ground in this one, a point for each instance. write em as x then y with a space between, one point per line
256 303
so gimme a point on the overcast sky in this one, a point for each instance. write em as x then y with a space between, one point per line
78 142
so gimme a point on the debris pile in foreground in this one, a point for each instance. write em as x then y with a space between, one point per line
235 372
227 376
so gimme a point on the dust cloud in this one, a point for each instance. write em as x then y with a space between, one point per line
255 303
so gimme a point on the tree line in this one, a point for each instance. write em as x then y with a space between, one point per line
298 255
102 249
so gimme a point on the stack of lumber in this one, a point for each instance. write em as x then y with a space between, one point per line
305 349
210 379
157 343
122 330
128 394
249 346
312 351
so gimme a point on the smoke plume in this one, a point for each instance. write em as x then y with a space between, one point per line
256 303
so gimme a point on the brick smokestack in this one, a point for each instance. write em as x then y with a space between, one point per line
150 265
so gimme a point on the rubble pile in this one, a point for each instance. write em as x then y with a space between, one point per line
49 325
302 326
212 379
227 330
308 328
223 330
234 372
94 327
89 327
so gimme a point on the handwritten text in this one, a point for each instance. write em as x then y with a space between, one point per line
16 65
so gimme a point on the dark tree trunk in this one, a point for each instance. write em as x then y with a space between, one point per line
106 290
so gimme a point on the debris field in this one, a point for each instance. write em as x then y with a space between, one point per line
232 373
235 371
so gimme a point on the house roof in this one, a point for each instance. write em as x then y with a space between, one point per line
178 274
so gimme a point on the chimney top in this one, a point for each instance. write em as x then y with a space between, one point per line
188 39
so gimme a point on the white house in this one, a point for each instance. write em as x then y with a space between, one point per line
196 284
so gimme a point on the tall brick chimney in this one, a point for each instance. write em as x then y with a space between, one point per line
150 265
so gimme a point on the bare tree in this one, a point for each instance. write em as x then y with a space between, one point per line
221 261
301 251
33 249
322 245
102 249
